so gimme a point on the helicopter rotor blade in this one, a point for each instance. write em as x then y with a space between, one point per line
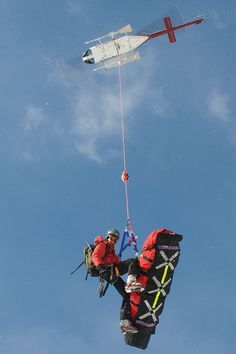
125 29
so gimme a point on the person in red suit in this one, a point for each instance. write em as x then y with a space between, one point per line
110 268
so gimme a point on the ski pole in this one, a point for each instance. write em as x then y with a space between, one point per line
77 268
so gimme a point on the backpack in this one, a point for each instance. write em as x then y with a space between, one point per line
88 251
90 267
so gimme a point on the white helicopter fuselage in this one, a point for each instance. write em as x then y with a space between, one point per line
114 48
121 49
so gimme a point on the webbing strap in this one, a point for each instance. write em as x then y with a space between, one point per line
147 259
167 261
151 312
160 290
128 240
169 248
145 324
160 286
167 264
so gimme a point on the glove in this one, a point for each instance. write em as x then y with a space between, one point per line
105 271
102 268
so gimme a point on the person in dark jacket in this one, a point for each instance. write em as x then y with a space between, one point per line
110 268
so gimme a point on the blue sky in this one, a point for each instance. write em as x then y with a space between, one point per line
60 154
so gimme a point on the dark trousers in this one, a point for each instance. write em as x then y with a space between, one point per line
129 266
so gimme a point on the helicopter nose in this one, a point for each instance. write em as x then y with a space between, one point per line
84 58
88 57
88 60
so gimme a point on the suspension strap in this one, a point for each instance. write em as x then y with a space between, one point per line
129 239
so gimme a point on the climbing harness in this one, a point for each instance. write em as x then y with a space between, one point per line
129 239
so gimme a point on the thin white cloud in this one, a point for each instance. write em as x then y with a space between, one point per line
160 104
34 118
65 74
220 18
95 119
74 8
96 109
27 156
92 127
33 133
222 111
218 105
38 133
88 149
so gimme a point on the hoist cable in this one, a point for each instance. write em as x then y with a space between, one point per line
129 237
123 148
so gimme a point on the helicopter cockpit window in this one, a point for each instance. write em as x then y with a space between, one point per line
89 60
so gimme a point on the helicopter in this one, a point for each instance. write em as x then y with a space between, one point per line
121 48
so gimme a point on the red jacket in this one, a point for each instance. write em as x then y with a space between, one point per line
104 252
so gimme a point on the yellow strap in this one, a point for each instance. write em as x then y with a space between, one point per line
156 299
117 272
164 274
162 282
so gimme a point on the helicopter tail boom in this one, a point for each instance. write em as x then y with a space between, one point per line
169 29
